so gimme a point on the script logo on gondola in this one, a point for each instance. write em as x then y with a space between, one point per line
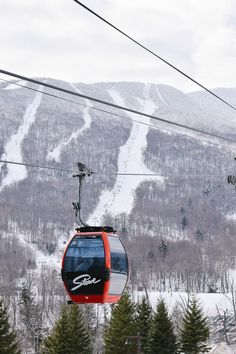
84 280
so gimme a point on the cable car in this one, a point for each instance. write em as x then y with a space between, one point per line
95 266
94 263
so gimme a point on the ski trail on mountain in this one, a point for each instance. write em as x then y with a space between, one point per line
13 149
160 96
56 152
43 259
130 160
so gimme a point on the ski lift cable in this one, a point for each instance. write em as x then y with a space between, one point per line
155 54
43 92
105 174
115 114
114 105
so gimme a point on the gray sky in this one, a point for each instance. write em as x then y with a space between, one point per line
59 39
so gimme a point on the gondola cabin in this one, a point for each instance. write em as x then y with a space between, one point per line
95 266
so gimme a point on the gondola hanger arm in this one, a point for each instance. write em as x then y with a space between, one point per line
83 172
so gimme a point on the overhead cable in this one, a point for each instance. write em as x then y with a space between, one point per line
54 87
74 171
104 174
155 54
41 91
112 113
38 166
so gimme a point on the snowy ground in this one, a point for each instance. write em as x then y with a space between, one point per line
130 160
222 348
42 259
207 301
231 217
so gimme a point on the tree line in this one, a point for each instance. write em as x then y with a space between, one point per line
130 328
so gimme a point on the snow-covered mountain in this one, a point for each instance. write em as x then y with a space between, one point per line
42 129
188 200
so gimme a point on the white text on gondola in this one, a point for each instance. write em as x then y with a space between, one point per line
84 280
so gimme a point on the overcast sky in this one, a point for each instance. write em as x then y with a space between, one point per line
59 39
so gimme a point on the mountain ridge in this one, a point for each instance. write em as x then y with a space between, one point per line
189 206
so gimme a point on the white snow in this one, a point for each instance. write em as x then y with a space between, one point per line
223 348
231 217
205 140
130 160
53 260
207 301
14 86
16 173
56 152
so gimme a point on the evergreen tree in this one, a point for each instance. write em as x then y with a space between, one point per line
121 328
144 315
195 330
69 335
78 335
8 342
162 339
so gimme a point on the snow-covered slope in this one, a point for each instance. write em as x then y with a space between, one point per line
59 133
223 348
120 198
187 207
13 148
56 152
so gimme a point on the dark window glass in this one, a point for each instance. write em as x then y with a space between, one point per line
84 254
119 262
